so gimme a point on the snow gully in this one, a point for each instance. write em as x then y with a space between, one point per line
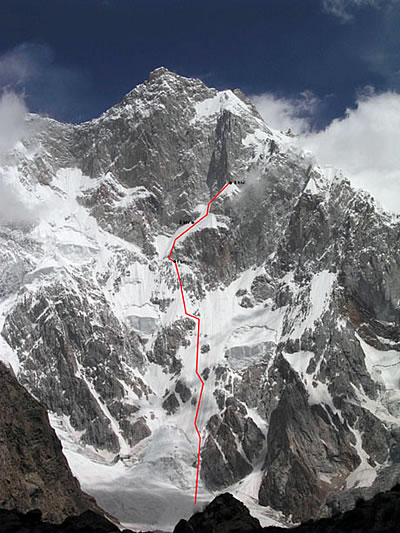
198 329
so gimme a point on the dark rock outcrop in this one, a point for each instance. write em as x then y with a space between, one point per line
303 442
223 462
33 470
225 514
87 522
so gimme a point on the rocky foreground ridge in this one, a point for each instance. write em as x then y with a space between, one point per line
33 470
225 514
295 276
87 522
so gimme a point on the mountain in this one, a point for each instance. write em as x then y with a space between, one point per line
34 473
294 275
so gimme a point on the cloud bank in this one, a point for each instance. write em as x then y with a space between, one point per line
12 129
364 143
12 120
285 113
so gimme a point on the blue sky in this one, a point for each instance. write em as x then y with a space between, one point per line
86 54
329 69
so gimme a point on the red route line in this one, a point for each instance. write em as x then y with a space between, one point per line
198 331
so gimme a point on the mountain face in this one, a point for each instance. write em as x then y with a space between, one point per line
34 473
294 275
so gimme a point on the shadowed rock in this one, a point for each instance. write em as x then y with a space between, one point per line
225 514
33 470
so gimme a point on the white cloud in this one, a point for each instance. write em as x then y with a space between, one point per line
13 210
50 88
12 120
28 61
12 129
285 113
365 144
344 8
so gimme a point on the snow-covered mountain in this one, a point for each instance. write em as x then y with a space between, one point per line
294 274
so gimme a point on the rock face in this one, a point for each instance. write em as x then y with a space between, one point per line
294 275
233 442
34 473
225 514
296 457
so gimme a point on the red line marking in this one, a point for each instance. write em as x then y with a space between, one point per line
198 331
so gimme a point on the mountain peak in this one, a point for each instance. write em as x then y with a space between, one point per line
161 84
160 72
163 76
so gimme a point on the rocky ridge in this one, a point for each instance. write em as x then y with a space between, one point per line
34 472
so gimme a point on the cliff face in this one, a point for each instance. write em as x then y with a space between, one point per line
34 473
294 274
